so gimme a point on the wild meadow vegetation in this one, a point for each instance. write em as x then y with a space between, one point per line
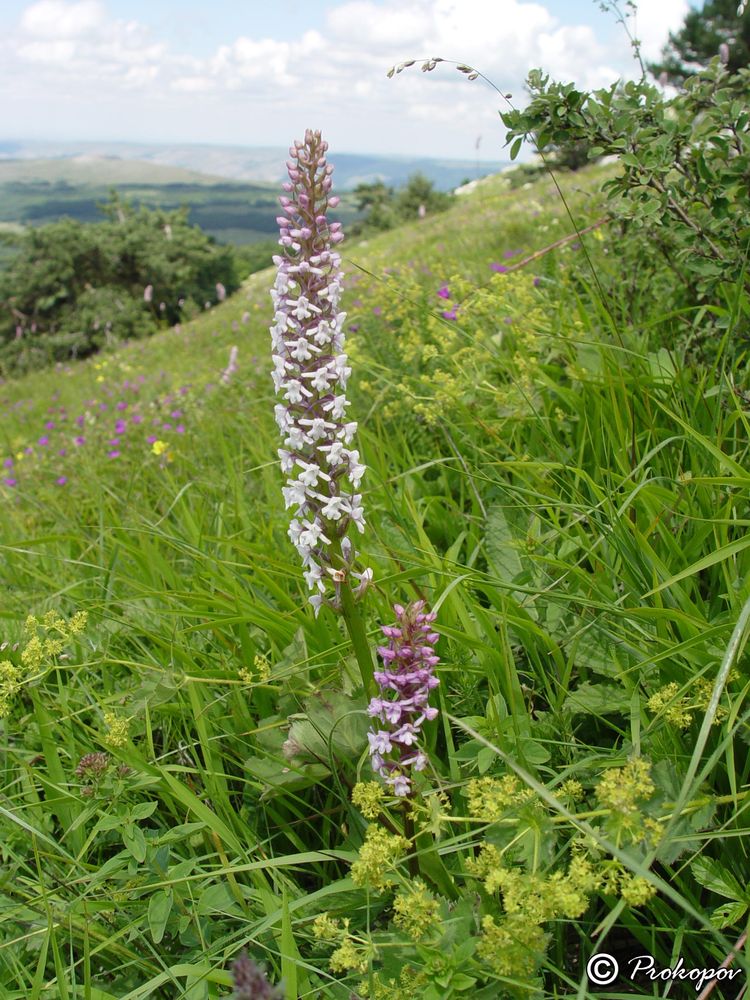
550 386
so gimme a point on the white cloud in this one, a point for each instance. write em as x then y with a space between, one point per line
654 22
57 19
71 58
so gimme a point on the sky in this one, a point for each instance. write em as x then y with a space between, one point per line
241 72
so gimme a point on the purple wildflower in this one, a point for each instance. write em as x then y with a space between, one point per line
500 268
250 982
449 314
10 481
311 372
231 368
43 440
402 706
8 463
78 441
61 480
444 292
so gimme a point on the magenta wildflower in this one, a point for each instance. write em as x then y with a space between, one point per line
377 311
402 706
10 481
61 480
79 440
43 440
311 372
444 292
120 426
500 268
50 425
8 463
449 314
113 454
151 438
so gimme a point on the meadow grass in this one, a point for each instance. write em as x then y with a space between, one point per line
553 470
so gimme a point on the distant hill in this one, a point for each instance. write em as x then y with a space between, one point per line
99 170
261 165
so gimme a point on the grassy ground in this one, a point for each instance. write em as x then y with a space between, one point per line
561 480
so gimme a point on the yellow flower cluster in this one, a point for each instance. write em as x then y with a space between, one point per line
378 857
618 881
537 897
45 640
416 911
512 947
678 709
352 954
117 730
623 790
260 673
490 798
408 985
368 797
437 366
10 683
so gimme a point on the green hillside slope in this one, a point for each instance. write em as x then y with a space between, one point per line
554 467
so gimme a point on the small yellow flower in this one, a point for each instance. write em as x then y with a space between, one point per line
117 730
368 797
159 447
10 682
378 856
325 928
416 911
78 622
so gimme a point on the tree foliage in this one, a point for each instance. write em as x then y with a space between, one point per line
385 207
73 287
719 22
681 195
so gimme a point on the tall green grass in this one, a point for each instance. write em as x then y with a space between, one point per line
570 493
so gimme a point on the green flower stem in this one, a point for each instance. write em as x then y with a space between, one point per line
355 626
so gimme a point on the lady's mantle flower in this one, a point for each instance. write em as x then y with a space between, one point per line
402 706
310 374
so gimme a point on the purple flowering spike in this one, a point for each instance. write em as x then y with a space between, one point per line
250 982
310 374
402 704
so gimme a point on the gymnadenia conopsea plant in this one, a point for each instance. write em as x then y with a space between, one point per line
322 463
